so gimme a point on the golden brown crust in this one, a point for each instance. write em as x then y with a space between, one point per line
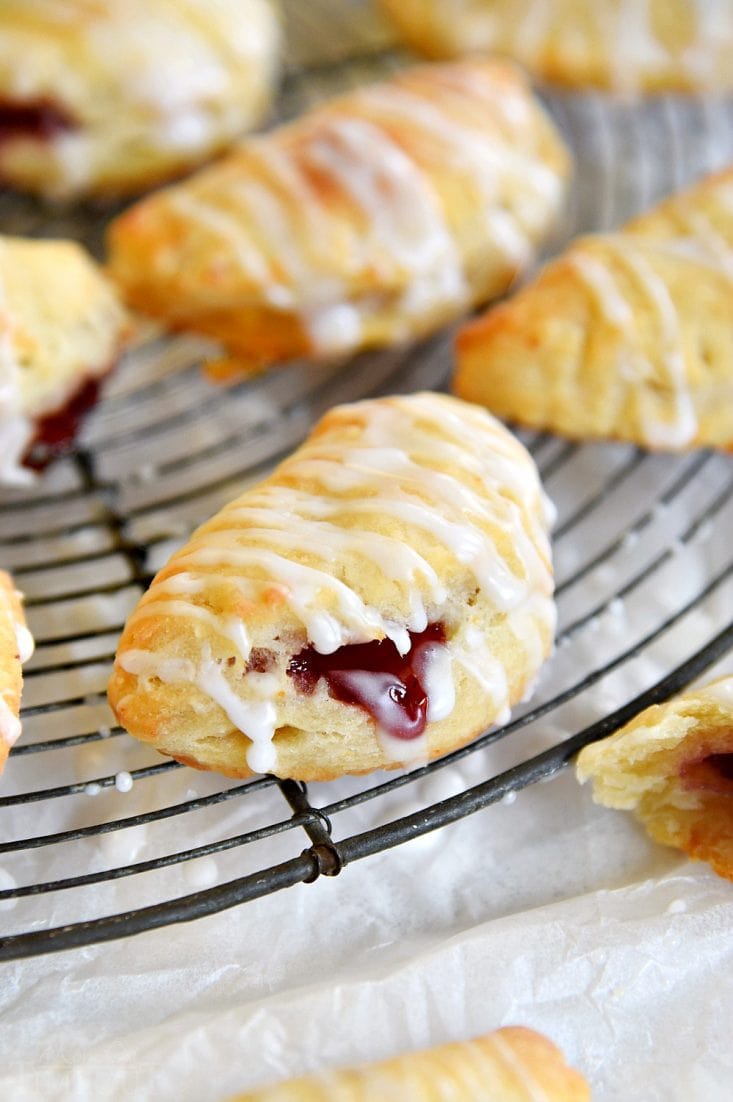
117 95
14 645
673 767
625 336
395 515
513 1064
373 219
665 45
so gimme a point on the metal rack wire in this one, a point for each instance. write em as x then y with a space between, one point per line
94 827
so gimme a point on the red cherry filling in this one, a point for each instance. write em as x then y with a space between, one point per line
375 677
711 773
40 119
55 433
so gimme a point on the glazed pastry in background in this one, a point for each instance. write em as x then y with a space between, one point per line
625 336
107 97
648 45
374 219
673 767
382 598
16 647
513 1064
61 328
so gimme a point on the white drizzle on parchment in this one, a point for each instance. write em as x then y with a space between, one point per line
319 504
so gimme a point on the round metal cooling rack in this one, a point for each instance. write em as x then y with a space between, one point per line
95 827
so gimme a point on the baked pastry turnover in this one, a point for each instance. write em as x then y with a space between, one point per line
61 328
513 1064
382 598
648 45
16 647
625 336
673 767
374 219
111 96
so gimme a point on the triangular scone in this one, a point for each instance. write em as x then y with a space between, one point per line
16 647
645 45
61 328
383 597
108 97
673 767
625 336
513 1064
375 218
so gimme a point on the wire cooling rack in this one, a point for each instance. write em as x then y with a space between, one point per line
101 838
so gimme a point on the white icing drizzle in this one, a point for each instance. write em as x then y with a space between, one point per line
10 726
622 30
337 221
535 1092
283 538
680 428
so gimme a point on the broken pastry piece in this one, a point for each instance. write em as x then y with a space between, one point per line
61 329
673 767
626 336
513 1064
111 96
382 598
374 219
16 647
658 45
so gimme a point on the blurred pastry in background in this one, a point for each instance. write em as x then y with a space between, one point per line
644 46
16 647
374 219
625 336
108 97
513 1064
384 597
62 327
673 767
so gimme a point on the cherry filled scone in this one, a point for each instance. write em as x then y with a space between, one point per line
62 327
382 598
107 97
16 647
626 336
644 46
513 1064
673 767
374 219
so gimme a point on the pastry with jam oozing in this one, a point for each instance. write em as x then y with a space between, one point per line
382 598
513 1064
673 767
62 328
16 647
111 97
